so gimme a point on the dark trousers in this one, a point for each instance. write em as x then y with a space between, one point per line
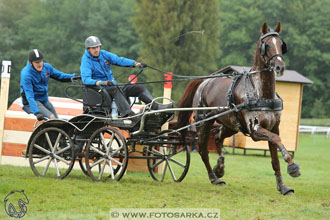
120 94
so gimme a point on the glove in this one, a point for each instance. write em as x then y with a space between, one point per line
142 65
40 116
106 83
76 77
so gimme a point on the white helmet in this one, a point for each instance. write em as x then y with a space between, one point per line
92 41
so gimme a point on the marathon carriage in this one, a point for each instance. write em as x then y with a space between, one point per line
103 145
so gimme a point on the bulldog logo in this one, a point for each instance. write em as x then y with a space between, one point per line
15 204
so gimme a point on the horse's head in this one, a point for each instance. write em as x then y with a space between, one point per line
271 48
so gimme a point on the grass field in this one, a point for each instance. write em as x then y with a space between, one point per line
250 192
315 121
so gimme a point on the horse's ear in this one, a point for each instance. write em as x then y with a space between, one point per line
278 27
264 28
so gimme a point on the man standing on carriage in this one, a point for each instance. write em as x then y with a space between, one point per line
34 85
95 70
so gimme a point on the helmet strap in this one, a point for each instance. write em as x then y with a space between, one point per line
31 63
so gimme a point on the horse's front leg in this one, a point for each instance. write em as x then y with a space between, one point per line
204 133
283 189
274 142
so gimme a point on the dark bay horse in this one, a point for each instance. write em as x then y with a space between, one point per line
257 107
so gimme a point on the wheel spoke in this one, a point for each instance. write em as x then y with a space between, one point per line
102 169
97 162
49 142
171 170
111 171
116 161
41 148
107 146
47 166
103 140
164 172
97 150
57 169
158 162
64 149
62 159
177 162
57 141
41 159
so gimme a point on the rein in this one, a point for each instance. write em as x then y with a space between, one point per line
183 78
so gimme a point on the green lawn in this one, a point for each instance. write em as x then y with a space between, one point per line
315 121
250 192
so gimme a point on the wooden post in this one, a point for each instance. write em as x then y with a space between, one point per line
5 79
167 94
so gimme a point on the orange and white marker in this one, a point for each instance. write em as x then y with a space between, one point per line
5 79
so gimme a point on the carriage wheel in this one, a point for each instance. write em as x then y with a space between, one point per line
171 160
106 154
51 153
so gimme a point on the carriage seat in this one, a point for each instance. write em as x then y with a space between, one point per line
96 101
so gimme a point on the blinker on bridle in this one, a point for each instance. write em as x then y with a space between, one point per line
263 47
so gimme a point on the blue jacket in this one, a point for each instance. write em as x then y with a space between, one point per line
93 69
34 84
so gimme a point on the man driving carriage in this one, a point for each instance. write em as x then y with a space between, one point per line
95 70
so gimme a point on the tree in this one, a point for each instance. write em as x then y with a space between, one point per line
304 31
171 39
59 28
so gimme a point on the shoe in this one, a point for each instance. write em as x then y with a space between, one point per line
157 106
131 113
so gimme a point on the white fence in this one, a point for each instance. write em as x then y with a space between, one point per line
314 129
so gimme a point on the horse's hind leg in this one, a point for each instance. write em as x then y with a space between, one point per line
221 133
204 133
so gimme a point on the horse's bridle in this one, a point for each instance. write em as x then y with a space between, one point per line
263 46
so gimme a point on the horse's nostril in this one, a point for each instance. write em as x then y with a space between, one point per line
278 69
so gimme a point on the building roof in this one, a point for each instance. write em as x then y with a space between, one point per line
288 75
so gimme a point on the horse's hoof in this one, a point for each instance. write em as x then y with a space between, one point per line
218 182
290 193
219 171
293 170
285 190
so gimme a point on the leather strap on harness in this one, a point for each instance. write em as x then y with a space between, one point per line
231 102
251 103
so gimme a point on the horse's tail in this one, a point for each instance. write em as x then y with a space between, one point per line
185 102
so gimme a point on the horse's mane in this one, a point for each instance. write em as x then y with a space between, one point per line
256 53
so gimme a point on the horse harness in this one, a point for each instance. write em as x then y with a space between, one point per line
263 46
250 104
